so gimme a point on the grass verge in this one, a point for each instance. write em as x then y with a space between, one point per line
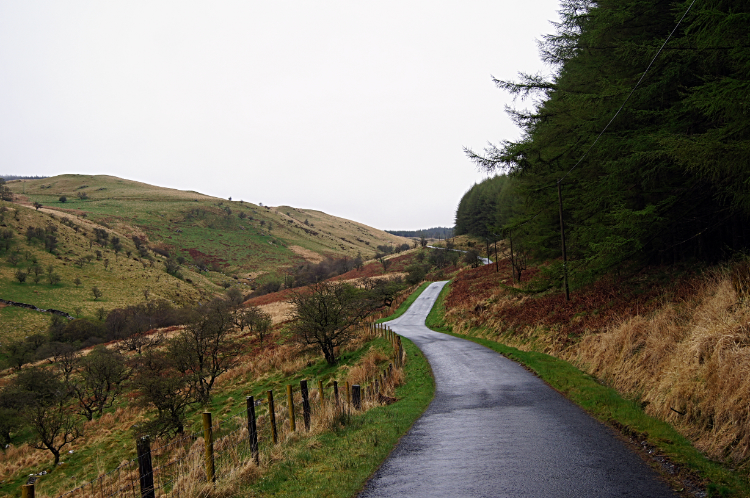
627 416
338 463
406 304
436 317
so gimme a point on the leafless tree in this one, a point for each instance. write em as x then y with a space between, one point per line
160 385
48 413
205 349
100 379
326 315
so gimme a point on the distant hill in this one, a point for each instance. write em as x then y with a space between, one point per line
429 233
215 243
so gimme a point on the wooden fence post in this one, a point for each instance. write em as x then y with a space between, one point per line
27 491
336 392
305 403
252 429
290 401
208 439
145 470
348 394
356 400
272 415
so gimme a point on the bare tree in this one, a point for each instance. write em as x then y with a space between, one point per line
204 349
99 383
471 257
14 258
518 258
357 262
48 413
257 320
383 261
326 315
18 354
160 385
62 354
12 403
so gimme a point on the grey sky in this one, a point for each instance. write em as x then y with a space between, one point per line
359 109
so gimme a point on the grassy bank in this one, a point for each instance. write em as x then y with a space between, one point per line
337 463
689 466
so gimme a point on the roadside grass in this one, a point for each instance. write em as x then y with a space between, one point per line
338 463
406 304
607 406
436 317
354 449
108 440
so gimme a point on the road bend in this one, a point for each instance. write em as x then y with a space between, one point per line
496 430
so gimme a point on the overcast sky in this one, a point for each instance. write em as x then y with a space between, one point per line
359 109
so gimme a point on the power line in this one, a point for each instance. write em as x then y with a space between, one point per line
631 92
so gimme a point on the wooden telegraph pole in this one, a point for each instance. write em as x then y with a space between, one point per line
562 237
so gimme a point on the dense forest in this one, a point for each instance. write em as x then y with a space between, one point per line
429 233
649 141
487 207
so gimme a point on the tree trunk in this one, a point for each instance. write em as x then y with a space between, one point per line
328 353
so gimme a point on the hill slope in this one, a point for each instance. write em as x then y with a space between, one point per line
218 239
190 223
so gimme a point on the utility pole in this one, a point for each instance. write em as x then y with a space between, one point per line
512 259
497 268
562 237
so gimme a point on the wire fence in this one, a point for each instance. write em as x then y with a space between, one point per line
181 466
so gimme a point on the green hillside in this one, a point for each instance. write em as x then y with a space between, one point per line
237 235
213 243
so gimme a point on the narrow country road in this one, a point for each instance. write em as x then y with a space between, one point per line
496 430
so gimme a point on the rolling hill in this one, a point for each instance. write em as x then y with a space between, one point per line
217 243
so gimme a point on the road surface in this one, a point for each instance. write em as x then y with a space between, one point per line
496 430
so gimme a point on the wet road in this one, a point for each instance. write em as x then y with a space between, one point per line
496 430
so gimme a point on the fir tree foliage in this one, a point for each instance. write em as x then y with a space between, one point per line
669 179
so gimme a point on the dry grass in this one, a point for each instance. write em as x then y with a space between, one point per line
280 311
233 463
16 459
690 362
309 255
367 368
686 360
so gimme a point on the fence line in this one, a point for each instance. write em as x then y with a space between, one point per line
173 468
